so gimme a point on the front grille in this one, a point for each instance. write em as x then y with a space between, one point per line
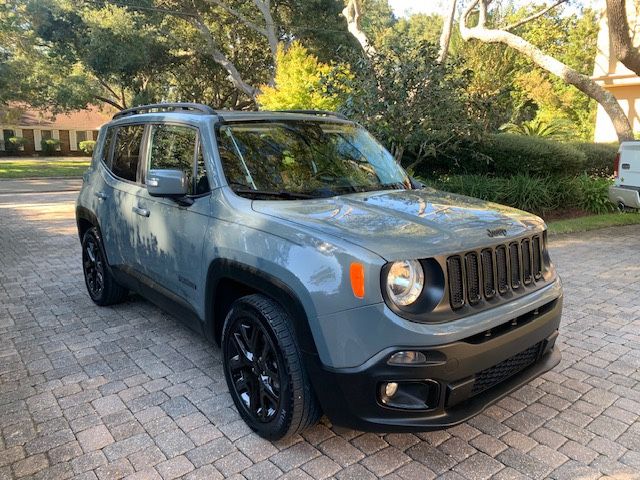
473 276
492 376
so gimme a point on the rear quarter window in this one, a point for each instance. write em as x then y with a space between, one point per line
126 152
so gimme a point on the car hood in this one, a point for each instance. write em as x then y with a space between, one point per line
406 223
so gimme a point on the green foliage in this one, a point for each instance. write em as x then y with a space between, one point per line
530 155
555 129
533 194
49 146
599 157
87 146
298 82
406 99
593 194
14 144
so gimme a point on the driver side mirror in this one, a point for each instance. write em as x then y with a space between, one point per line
167 183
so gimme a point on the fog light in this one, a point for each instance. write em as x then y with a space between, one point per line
407 358
390 389
411 395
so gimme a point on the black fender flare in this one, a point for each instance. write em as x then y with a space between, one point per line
83 213
261 282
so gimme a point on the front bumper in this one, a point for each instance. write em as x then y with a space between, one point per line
462 369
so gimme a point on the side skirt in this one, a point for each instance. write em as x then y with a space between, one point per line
159 295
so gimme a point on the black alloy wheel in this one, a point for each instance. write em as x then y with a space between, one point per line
93 265
264 371
102 287
253 367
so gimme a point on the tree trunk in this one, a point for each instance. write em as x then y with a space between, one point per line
352 13
551 65
621 42
447 28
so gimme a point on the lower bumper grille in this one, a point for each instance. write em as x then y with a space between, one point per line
507 368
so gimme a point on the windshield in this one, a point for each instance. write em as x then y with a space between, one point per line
302 159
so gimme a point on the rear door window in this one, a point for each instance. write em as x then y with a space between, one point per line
175 147
126 152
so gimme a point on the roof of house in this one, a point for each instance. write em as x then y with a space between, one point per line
90 118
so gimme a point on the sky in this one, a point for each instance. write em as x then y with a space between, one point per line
404 7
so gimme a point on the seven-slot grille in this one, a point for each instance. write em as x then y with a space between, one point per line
494 271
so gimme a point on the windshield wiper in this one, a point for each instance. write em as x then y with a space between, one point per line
269 193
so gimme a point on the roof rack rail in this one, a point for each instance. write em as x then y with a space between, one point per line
166 107
317 112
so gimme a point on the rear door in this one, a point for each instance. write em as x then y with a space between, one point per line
629 172
174 231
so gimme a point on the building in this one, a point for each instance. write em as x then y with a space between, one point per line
618 79
36 125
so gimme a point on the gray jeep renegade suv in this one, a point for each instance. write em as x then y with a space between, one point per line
332 281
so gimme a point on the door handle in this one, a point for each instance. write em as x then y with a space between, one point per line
143 212
626 166
101 195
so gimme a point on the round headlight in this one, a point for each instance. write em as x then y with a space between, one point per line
405 281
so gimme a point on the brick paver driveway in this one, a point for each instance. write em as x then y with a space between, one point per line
110 392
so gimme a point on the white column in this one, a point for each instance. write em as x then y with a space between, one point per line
2 127
37 138
73 141
56 135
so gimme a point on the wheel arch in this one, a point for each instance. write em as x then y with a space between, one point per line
85 219
228 280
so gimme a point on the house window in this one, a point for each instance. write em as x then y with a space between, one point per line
81 135
46 134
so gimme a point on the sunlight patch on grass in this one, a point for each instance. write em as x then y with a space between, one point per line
40 168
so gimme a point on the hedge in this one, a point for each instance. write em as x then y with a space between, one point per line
508 154
534 194
599 157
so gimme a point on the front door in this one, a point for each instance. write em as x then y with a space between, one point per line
176 230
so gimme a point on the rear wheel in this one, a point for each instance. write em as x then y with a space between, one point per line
264 371
102 287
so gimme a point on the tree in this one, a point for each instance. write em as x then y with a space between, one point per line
416 105
298 82
621 42
484 33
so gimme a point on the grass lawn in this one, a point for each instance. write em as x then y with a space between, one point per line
593 222
43 168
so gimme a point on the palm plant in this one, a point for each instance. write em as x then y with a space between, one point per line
555 129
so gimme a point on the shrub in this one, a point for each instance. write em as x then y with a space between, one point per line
87 146
530 155
49 145
593 194
533 194
14 144
506 154
599 157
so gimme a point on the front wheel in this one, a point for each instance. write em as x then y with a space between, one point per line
264 371
102 287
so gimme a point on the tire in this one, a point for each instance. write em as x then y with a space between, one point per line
271 390
101 286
